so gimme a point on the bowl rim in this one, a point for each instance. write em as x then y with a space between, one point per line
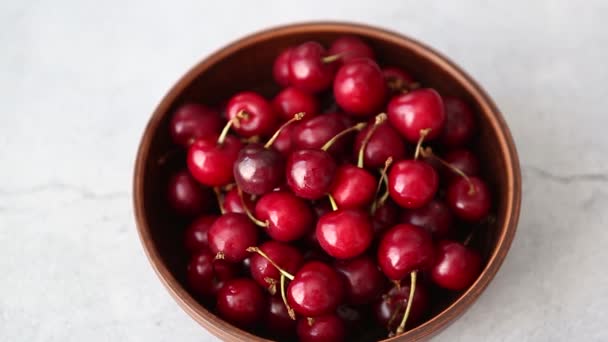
507 148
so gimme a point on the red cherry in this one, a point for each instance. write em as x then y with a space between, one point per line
233 203
291 101
284 143
391 307
316 289
327 328
397 79
287 217
280 68
416 111
307 69
210 162
241 302
314 133
257 115
462 159
412 183
385 216
205 275
230 236
349 48
265 273
359 87
469 198
192 121
195 237
353 187
258 170
353 317
403 249
186 196
277 320
456 266
310 173
344 233
460 122
363 280
384 142
435 217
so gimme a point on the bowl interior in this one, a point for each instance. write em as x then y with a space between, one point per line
247 65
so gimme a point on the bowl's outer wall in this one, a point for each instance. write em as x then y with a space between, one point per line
246 65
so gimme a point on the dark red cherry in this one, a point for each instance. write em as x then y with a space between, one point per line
277 321
359 87
257 115
363 280
349 48
205 274
230 236
280 68
462 159
292 100
307 69
195 237
412 183
286 216
233 204
314 133
211 162
344 233
390 308
241 302
435 217
385 216
403 249
284 143
456 266
460 124
397 79
469 199
285 256
316 289
258 170
326 328
310 173
353 187
384 142
352 316
192 121
186 196
415 111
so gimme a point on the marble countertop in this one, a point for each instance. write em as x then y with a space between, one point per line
79 79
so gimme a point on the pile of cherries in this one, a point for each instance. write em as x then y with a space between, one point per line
325 209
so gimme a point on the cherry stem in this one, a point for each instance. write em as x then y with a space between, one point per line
296 117
380 118
331 58
423 134
254 249
331 141
248 212
332 202
382 180
394 316
428 153
272 285
218 196
290 311
469 238
219 256
310 321
410 299
234 121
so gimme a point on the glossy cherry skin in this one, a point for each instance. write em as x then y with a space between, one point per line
231 234
310 173
403 249
350 48
316 290
284 142
397 79
195 236
286 256
385 216
462 159
232 202
456 266
291 101
205 275
412 183
344 233
469 206
353 187
326 328
390 308
288 217
385 142
280 68
314 133
257 170
435 217
460 124
261 118
277 321
307 71
417 110
187 197
363 280
359 87
211 163
241 302
192 121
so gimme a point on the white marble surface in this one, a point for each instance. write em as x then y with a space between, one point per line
78 80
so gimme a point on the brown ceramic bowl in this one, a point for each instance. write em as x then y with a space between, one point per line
247 64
